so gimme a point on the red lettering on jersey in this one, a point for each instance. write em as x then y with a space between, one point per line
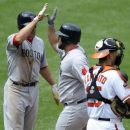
94 104
87 88
101 79
84 71
99 88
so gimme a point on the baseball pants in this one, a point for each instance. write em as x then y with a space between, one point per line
94 124
73 117
20 106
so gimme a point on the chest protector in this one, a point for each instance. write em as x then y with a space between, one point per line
93 92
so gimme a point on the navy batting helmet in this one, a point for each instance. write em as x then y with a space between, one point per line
24 18
107 45
69 33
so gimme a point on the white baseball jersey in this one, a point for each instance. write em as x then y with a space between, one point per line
71 81
109 84
25 61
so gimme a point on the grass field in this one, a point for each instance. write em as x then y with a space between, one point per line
97 19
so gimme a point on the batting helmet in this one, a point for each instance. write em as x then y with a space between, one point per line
107 45
69 33
24 18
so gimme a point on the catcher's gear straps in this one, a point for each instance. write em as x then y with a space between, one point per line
93 89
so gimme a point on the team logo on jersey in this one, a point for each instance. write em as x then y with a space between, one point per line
84 71
31 53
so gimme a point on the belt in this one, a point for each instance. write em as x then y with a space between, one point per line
80 101
104 119
25 84
108 119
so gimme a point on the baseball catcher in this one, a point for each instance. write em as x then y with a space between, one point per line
108 97
120 108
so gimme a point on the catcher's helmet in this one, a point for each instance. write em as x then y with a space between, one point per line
24 18
69 33
107 45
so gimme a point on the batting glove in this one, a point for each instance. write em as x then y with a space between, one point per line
41 14
52 18
55 93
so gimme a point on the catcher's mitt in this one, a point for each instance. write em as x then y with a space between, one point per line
120 109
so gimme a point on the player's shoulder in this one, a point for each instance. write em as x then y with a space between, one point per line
78 58
115 73
110 70
79 51
122 75
11 36
38 39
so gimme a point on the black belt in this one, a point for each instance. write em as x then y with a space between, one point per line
108 119
104 119
25 84
81 101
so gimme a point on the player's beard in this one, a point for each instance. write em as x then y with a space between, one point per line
61 46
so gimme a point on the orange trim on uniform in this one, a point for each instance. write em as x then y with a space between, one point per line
15 43
90 104
99 88
106 68
119 73
100 54
97 104
88 88
94 104
126 97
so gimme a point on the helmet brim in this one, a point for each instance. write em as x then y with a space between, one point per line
101 54
59 33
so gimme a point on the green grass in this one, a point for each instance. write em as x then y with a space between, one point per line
97 19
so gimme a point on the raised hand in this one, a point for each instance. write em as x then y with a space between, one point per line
52 18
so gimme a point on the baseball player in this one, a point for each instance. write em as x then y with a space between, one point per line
109 83
73 67
26 59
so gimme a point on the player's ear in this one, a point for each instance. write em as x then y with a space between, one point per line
109 56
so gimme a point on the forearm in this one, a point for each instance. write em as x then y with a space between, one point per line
24 33
45 73
29 30
53 38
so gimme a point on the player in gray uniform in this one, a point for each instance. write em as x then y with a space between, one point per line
26 59
73 67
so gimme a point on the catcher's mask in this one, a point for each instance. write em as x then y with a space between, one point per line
24 18
107 45
69 33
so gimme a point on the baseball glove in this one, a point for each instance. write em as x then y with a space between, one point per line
120 109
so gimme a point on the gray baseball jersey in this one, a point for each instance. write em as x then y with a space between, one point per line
71 82
21 102
25 61
74 65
